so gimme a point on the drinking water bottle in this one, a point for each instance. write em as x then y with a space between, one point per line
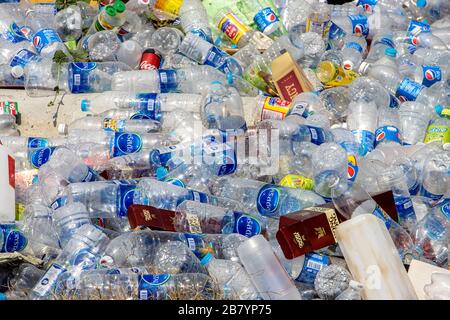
14 58
388 130
194 19
101 46
68 219
362 120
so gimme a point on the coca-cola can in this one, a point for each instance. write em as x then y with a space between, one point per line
151 60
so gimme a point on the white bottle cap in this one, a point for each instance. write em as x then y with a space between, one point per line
63 128
17 71
363 67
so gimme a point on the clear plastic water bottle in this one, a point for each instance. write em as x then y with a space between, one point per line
194 19
23 143
369 89
353 50
231 277
14 58
69 23
266 199
101 46
176 257
388 130
12 239
362 120
435 179
68 219
130 53
167 40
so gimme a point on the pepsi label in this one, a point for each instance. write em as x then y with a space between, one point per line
335 32
431 75
416 25
265 18
368 5
44 38
408 90
387 133
22 58
366 141
16 34
360 24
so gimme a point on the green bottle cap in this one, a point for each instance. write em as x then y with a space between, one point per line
110 11
119 6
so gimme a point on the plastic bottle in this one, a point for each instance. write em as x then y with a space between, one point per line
233 28
232 277
12 239
194 19
414 120
380 43
438 130
112 16
362 120
266 199
263 14
69 23
369 89
435 179
14 58
388 130
130 53
262 264
68 219
22 143
353 50
101 46
318 19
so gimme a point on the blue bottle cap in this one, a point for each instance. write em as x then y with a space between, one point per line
230 78
216 82
425 21
421 3
85 105
206 259
3 296
391 52
161 172
438 108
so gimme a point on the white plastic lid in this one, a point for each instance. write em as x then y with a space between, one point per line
17 71
63 128
363 67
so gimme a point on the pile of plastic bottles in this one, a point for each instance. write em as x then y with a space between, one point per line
182 115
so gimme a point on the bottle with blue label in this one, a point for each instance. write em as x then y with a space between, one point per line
266 199
366 26
197 217
22 144
388 129
380 43
264 16
362 121
17 56
432 232
353 50
194 19
168 196
11 238
82 252
232 278
436 175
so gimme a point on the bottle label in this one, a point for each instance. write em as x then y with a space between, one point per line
148 104
265 18
149 285
59 202
405 208
416 25
198 196
300 109
360 24
233 28
175 182
125 198
17 34
48 281
246 225
437 133
168 81
427 194
91 175
84 259
79 81
45 37
435 230
150 60
393 102
387 133
22 58
366 141
169 7
268 200
34 143
12 108
352 168
125 143
215 57
354 45
381 214
317 135
274 108
101 24
386 41
115 125
445 208
431 75
335 32
313 264
297 182
408 90
196 244
40 156
368 5
205 35
14 240
318 26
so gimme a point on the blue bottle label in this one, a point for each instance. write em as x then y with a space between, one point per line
387 133
317 135
125 198
299 109
445 208
354 45
405 208
268 200
196 244
335 32
246 225
368 5
408 90
394 103
175 182
313 264
431 75
265 18
34 143
141 116
45 37
360 24
91 175
198 196
168 80
48 282
416 25
414 190
149 285
366 141
148 104
227 163
381 214
22 58
386 41
16 34
84 259
215 57
125 143
205 35
40 156
14 239
79 81
425 193
59 202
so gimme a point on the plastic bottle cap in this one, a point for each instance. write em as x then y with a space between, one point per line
85 105
62 128
161 172
425 21
17 71
119 6
206 259
3 296
363 67
216 82
421 3
438 108
230 78
391 52
111 11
